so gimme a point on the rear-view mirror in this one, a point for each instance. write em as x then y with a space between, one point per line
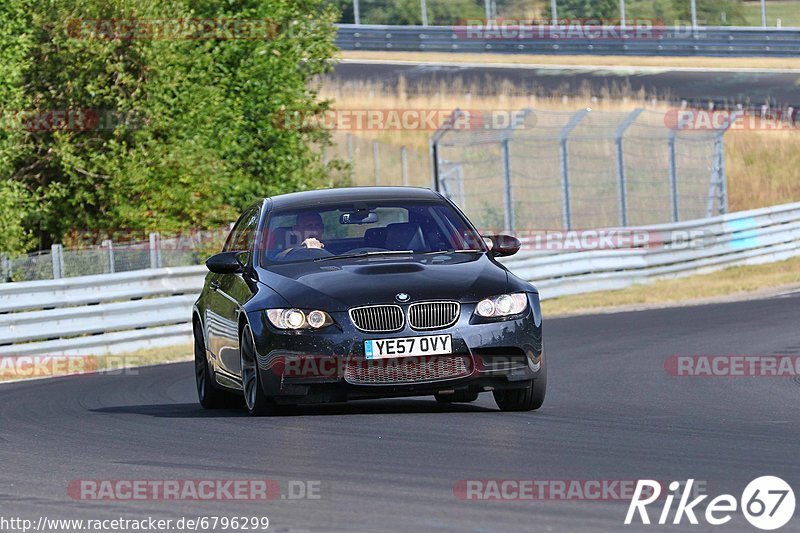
359 217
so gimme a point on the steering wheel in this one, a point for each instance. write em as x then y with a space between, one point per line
300 254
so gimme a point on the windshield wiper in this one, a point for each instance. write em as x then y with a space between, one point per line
365 254
451 252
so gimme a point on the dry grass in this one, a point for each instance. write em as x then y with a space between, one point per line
732 281
587 60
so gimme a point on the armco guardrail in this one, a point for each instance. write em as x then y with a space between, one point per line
667 41
118 313
745 237
108 313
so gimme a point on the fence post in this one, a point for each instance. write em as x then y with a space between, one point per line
57 255
719 148
356 12
404 165
433 144
508 212
423 6
563 157
155 250
623 191
351 156
109 244
6 267
554 12
673 176
376 162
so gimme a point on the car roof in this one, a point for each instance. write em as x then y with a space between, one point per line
354 194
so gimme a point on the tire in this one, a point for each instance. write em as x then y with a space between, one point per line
208 394
529 398
460 396
257 402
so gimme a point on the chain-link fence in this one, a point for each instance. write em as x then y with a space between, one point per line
761 13
589 169
108 257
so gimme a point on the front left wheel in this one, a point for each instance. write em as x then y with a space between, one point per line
258 403
207 392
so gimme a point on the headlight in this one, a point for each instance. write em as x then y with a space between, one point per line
503 305
298 319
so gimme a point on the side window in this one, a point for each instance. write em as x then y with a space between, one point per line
244 231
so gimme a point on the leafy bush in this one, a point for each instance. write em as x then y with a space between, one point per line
190 128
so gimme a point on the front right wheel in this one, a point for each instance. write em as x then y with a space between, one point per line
529 398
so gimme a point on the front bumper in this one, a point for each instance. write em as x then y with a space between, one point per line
317 366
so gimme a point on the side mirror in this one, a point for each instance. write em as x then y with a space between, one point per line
227 262
504 245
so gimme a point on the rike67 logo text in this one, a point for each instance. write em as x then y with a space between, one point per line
767 503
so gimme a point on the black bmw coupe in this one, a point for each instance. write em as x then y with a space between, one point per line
341 294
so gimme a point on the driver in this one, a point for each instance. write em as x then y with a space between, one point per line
308 230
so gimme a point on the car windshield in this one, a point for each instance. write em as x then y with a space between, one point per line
368 229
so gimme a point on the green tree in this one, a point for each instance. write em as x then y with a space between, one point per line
585 9
190 129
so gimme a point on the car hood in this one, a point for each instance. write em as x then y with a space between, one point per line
338 285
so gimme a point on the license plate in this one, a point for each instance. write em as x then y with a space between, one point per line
408 347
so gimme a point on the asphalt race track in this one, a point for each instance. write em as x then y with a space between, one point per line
743 86
612 413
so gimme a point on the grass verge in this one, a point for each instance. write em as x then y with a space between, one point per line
759 63
731 283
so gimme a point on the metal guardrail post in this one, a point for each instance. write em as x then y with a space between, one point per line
563 156
423 6
109 245
623 191
554 12
57 255
155 250
673 175
763 13
404 165
356 12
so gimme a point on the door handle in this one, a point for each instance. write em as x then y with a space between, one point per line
214 285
